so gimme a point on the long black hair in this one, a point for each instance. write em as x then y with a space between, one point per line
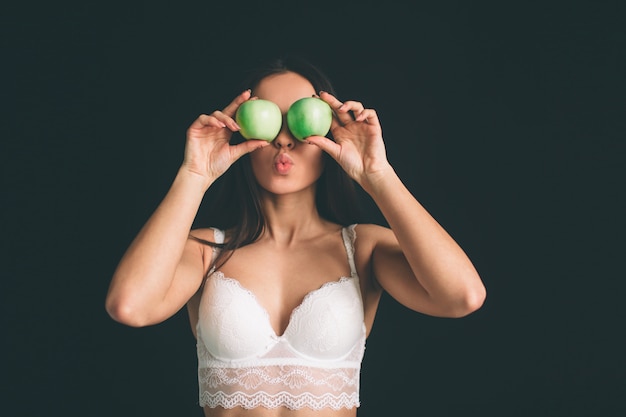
234 202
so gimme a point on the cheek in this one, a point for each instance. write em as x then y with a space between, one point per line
317 165
260 162
312 157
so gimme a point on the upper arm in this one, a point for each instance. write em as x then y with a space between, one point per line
189 274
393 273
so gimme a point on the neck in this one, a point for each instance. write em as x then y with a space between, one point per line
290 217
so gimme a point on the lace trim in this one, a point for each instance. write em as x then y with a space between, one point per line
284 399
294 377
292 386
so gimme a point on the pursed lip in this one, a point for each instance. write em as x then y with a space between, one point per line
283 163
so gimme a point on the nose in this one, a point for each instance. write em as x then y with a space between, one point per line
284 140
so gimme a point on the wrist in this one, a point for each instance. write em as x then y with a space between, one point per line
379 179
193 179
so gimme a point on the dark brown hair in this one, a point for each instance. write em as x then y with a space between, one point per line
234 202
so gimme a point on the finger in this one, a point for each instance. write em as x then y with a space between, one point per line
231 109
369 116
325 144
342 114
205 120
353 106
225 115
327 97
226 120
239 150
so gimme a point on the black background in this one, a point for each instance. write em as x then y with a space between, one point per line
505 119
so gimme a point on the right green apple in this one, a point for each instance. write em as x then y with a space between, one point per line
309 116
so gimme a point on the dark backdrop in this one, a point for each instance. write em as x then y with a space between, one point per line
505 119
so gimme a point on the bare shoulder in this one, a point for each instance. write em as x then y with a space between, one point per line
369 238
378 245
372 239
369 234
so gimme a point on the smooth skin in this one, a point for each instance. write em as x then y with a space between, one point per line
415 260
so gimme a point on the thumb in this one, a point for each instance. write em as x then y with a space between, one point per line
325 144
247 146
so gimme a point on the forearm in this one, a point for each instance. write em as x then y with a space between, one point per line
437 261
146 270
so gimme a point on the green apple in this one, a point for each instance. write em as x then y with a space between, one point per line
259 119
309 116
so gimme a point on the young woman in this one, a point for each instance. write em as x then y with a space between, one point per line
282 290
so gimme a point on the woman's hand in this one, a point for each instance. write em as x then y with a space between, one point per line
208 151
358 145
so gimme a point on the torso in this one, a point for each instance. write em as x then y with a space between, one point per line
267 271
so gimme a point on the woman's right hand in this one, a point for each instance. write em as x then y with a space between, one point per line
208 151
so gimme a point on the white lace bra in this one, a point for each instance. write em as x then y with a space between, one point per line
316 362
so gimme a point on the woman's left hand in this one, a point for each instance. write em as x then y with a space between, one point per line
358 141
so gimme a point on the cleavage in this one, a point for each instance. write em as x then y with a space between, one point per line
279 316
281 278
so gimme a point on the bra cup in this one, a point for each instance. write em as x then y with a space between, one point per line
326 326
329 322
232 325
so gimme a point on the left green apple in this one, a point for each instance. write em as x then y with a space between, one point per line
259 119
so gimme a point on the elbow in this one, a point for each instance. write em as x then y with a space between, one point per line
476 300
471 301
125 313
464 299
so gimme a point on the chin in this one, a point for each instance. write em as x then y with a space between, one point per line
293 182
283 186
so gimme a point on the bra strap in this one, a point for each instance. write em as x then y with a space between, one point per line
349 236
218 237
